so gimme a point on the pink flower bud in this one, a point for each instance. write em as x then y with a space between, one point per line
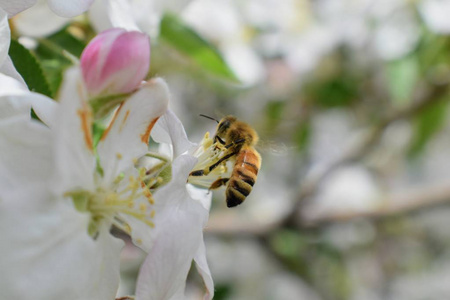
115 62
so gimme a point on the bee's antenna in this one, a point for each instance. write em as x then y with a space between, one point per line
208 117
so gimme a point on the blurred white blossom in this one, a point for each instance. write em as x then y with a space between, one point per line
435 15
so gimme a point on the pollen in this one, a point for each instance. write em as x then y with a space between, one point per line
123 198
210 153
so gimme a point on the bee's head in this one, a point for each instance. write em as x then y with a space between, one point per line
224 125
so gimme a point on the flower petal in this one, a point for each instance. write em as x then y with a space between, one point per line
202 267
69 9
126 138
5 35
178 226
17 100
49 254
203 196
16 6
120 13
74 149
38 21
11 87
8 69
170 130
98 15
25 155
116 61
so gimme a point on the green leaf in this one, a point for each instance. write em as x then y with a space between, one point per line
426 125
30 69
187 41
54 45
50 54
403 75
302 135
338 91
274 115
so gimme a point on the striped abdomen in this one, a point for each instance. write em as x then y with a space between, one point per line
243 177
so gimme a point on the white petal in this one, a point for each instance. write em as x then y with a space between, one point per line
17 100
203 196
98 15
126 139
25 156
9 70
38 21
74 155
45 108
5 35
11 87
178 236
170 130
202 267
166 199
16 6
69 9
165 269
121 15
49 254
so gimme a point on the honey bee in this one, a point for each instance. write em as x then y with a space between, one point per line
238 139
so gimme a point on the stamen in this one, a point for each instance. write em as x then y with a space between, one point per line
132 198
208 154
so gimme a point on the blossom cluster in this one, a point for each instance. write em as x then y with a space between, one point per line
63 191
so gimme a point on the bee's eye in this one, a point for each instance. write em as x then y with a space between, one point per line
224 125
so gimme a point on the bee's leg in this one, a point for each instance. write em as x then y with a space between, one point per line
216 164
219 139
235 143
218 183
197 173
212 167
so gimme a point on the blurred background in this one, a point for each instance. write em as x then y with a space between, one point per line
350 99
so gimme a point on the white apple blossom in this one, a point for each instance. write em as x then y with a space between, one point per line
59 199
62 8
163 274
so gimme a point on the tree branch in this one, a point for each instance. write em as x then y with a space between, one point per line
311 184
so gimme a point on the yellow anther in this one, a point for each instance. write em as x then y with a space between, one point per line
142 172
139 241
152 214
119 155
142 207
127 228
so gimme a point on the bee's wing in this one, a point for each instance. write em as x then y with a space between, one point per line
274 148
